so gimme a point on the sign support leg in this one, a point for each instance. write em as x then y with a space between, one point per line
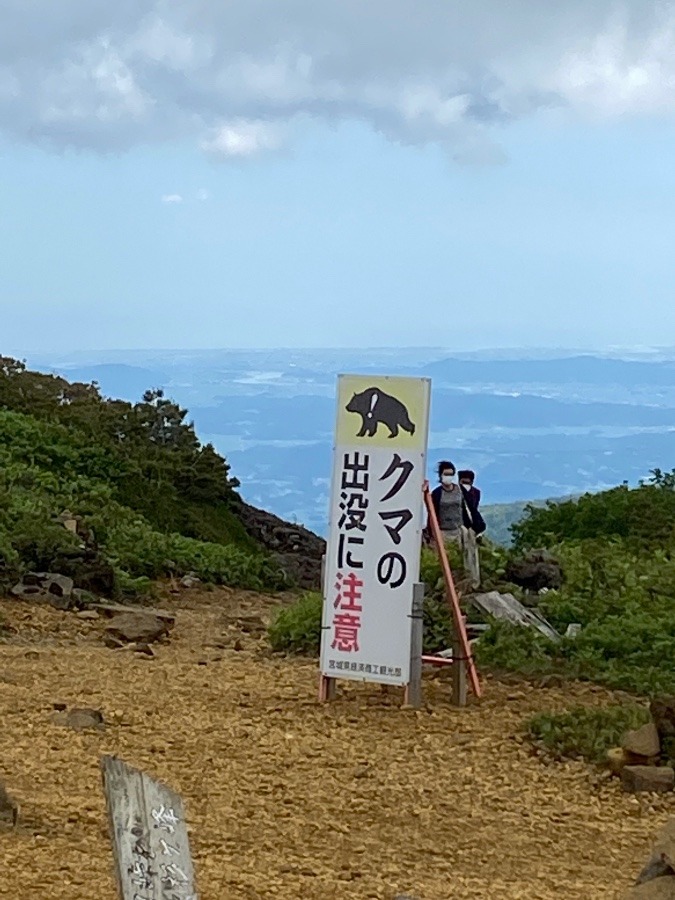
459 666
327 686
413 690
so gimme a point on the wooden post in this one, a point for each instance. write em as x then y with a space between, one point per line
413 690
149 835
327 686
459 666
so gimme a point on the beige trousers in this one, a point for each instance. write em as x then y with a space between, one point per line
466 538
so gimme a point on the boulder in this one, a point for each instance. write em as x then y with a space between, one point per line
46 587
655 779
141 627
29 592
34 579
535 570
642 741
59 585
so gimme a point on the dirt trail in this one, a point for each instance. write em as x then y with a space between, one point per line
287 798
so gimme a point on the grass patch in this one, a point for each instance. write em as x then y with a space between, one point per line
297 628
584 733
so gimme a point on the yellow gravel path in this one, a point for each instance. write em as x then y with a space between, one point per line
287 798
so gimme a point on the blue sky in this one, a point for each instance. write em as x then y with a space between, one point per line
553 229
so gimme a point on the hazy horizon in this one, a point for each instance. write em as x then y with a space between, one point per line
533 426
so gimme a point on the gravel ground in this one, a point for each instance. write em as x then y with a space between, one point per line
288 798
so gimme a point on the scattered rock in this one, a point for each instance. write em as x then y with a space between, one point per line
663 714
657 779
81 719
9 808
643 741
190 581
658 889
138 628
45 587
59 585
28 592
617 760
113 609
88 615
297 549
250 624
88 569
82 599
657 879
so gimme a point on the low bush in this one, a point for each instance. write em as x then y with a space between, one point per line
297 628
585 733
137 549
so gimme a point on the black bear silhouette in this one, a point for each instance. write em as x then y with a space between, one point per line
374 406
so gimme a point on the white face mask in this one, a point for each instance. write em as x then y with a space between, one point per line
447 479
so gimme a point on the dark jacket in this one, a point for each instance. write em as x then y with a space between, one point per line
474 494
470 514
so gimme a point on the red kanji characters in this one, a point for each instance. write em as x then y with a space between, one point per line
346 632
348 592
346 624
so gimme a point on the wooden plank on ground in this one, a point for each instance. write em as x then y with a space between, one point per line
149 835
506 607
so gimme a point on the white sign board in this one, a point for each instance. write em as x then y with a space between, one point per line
376 521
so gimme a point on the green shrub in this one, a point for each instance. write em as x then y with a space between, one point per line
644 515
510 648
585 733
136 548
129 587
297 628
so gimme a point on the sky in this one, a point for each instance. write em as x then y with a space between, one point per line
319 174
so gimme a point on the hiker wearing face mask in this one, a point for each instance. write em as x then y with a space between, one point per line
458 518
466 480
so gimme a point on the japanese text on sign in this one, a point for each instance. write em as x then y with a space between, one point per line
372 559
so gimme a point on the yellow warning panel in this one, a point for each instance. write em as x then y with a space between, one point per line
383 411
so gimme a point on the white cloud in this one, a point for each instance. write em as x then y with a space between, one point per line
202 195
235 76
241 138
172 198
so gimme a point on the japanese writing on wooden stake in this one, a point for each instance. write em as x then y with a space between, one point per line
149 835
373 550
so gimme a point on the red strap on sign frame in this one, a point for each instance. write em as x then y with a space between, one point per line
451 592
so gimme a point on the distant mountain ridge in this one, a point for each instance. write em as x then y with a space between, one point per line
546 425
499 517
